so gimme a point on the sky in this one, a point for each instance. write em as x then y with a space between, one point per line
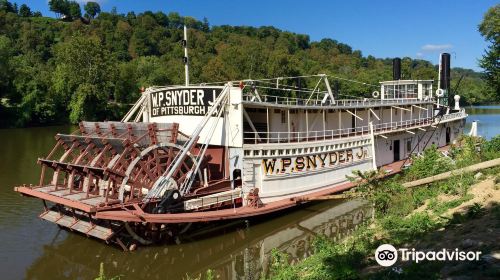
389 28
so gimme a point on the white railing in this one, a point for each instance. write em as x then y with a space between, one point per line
308 136
292 101
303 136
452 116
402 125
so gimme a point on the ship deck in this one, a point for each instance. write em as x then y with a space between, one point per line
232 213
114 213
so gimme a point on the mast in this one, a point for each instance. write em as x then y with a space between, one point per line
186 60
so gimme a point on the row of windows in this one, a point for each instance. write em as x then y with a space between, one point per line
401 91
308 150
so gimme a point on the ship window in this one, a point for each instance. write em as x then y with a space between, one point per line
247 153
264 152
412 90
283 116
280 152
273 152
389 91
255 152
294 151
408 145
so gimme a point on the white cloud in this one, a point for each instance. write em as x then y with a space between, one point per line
435 48
419 54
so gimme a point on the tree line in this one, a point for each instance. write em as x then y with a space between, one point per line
91 67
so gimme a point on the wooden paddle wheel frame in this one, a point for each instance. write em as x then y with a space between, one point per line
109 165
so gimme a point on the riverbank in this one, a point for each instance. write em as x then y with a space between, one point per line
460 212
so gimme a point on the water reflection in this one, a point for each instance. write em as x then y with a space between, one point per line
488 118
237 254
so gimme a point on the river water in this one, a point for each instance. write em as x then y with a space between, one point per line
31 248
488 118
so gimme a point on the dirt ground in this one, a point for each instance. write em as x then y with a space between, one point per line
480 232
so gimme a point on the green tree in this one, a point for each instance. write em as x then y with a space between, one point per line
60 7
490 62
92 9
175 20
31 83
68 10
84 77
25 11
6 6
5 66
48 69
75 11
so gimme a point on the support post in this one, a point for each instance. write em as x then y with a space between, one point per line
340 122
328 88
372 138
288 124
307 126
186 59
267 119
324 125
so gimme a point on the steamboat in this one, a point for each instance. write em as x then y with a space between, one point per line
184 156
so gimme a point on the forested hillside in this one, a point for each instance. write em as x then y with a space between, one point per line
74 67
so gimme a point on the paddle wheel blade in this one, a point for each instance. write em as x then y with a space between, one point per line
106 165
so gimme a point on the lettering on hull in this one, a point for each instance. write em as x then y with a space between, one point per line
183 101
289 165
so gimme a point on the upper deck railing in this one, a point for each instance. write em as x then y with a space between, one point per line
366 102
310 136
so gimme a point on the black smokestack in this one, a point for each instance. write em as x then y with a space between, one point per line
396 69
444 78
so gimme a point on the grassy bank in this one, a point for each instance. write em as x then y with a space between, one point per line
435 216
